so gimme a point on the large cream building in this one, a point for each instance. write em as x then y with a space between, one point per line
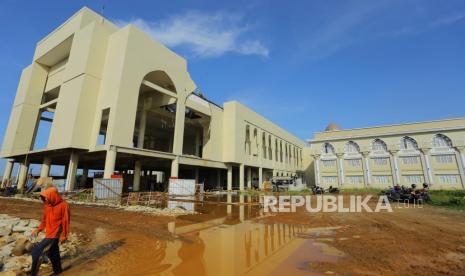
117 100
427 152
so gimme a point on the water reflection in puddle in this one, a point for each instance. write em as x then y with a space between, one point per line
225 240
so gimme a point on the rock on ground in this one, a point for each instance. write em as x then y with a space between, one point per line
16 244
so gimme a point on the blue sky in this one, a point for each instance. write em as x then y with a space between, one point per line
302 64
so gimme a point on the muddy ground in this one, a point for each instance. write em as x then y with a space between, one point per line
240 239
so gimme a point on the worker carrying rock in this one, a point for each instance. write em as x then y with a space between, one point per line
56 224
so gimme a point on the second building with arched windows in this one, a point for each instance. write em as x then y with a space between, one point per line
416 153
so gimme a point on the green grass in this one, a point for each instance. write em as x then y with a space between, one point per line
448 198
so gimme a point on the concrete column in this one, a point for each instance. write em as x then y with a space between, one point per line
179 126
196 172
72 169
218 179
24 166
85 175
249 178
260 178
366 168
427 153
425 166
45 169
241 176
230 178
136 179
397 172
7 172
340 167
175 167
460 156
110 161
142 125
317 170
393 170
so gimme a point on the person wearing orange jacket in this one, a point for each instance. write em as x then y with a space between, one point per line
55 221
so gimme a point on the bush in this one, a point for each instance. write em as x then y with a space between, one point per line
448 198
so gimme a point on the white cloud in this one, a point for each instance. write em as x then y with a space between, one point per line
448 19
203 34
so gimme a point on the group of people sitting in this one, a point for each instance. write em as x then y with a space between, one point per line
410 194
317 190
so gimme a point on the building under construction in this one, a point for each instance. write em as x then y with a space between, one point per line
115 100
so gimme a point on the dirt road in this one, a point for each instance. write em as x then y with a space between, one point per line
240 239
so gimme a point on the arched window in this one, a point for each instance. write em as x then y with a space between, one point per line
285 153
351 147
162 79
408 143
263 145
379 145
441 141
276 150
270 149
247 140
255 142
328 148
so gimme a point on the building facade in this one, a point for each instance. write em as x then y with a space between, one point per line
426 152
114 99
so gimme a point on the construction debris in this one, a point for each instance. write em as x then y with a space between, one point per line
16 244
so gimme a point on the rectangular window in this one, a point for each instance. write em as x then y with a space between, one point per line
444 159
382 179
329 179
380 161
43 128
355 179
102 135
50 95
410 160
329 163
413 179
354 162
448 179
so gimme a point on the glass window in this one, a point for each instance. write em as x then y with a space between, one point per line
410 160
441 141
448 179
354 162
355 179
329 179
382 179
328 148
380 161
329 163
413 179
408 143
379 145
351 147
444 159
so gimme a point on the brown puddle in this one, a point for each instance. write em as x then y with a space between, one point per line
223 240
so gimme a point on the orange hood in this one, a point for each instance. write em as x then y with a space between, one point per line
51 196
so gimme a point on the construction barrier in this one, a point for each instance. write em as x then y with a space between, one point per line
181 187
108 189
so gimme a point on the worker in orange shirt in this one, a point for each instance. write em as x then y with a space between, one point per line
55 221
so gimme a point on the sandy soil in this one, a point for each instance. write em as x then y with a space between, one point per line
238 239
